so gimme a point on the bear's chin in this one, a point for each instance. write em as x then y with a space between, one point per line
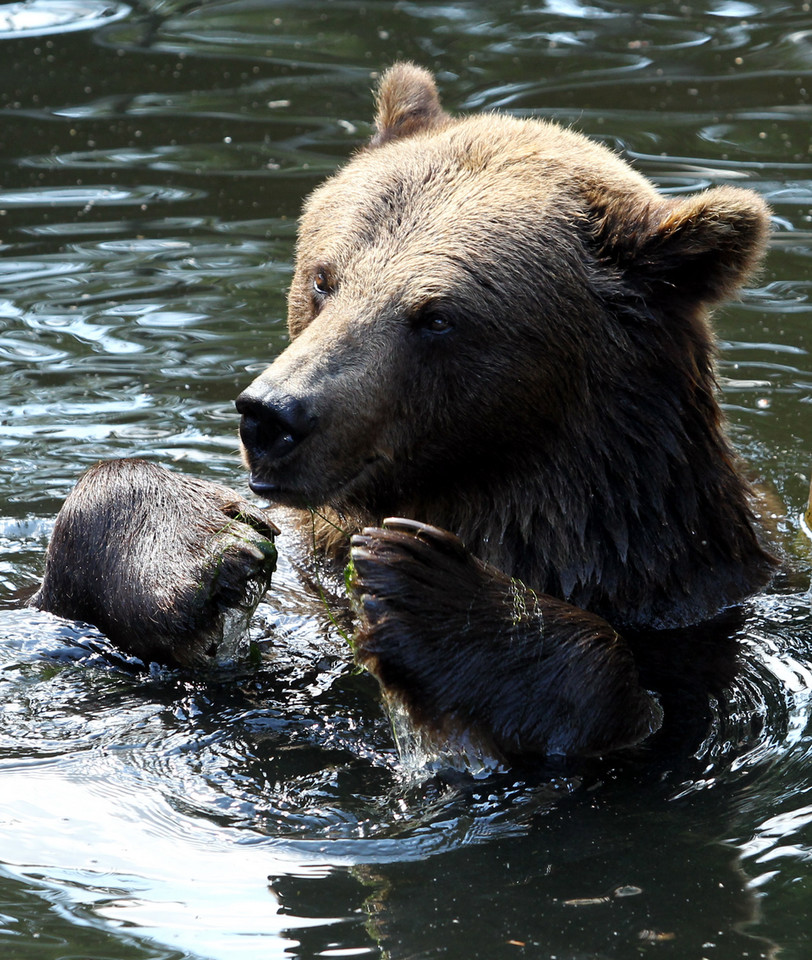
353 496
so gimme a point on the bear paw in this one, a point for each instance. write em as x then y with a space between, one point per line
469 654
169 567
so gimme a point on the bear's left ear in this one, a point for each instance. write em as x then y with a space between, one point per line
700 249
407 103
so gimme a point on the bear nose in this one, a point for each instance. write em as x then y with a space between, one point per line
272 426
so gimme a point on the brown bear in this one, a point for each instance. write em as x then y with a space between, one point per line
500 329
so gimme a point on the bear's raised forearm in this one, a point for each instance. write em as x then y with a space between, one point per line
169 567
472 655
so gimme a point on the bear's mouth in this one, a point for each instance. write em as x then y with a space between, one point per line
340 491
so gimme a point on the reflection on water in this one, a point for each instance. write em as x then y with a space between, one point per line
154 164
39 18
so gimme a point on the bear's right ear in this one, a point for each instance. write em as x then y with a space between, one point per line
407 103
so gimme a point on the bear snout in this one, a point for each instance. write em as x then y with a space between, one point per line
271 428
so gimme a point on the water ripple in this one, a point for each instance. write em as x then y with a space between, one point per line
38 18
101 195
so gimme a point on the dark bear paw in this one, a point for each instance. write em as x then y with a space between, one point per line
169 567
471 655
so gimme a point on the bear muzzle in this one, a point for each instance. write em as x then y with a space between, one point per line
271 428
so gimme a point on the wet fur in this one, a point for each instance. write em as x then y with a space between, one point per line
156 560
522 675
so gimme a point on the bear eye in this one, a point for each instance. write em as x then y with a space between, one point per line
322 284
433 319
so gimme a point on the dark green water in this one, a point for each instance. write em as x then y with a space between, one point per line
153 164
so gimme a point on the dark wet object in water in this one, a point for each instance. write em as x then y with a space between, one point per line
169 567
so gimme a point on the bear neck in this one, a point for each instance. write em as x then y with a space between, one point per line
639 514
633 508
668 545
638 564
